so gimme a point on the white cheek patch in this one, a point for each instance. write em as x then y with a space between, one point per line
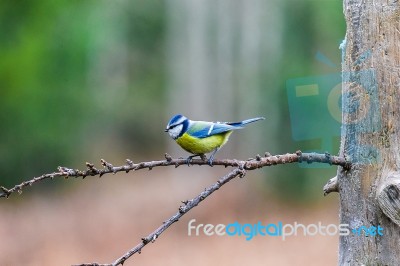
175 131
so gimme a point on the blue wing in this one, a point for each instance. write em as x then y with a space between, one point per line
200 129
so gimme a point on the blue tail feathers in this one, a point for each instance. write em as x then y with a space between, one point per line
245 122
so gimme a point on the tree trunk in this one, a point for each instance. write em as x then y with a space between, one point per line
369 191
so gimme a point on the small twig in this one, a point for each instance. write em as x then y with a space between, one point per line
252 164
331 186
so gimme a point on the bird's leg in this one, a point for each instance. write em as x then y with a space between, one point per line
210 161
190 158
203 157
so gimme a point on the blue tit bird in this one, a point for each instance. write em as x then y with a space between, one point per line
201 137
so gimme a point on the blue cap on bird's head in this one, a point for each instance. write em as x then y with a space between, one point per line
177 125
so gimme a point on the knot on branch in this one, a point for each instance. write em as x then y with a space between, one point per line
241 171
66 172
129 162
168 157
107 165
6 192
388 197
299 156
328 158
91 170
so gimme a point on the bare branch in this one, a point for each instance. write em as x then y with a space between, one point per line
242 166
183 209
250 164
240 170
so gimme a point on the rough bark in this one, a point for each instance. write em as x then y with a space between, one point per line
369 192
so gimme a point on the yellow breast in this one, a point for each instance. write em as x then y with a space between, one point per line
204 145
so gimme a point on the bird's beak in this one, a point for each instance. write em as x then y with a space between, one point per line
166 130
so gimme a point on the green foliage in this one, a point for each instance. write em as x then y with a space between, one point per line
48 107
42 72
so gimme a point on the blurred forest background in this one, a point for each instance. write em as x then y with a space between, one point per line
84 80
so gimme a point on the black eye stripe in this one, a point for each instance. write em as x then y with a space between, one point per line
173 126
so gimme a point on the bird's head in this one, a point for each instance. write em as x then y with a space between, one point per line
177 126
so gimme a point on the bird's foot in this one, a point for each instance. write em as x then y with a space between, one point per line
190 158
210 161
